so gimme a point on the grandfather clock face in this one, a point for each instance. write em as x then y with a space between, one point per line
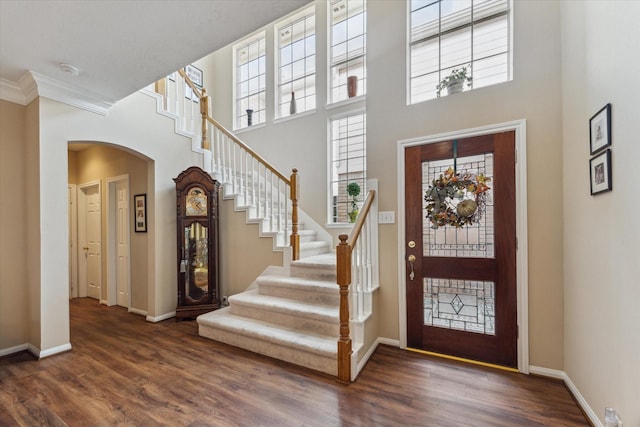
196 202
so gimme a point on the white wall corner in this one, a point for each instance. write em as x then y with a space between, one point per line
41 354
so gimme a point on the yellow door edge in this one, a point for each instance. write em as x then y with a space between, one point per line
461 359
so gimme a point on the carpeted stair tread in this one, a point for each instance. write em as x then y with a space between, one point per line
299 283
254 299
265 331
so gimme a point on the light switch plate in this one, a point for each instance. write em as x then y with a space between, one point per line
386 217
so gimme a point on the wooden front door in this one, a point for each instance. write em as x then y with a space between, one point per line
461 283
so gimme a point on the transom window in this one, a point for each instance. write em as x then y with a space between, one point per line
296 47
250 78
348 165
449 35
348 32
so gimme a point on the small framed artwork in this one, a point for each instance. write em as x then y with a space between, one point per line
140 212
195 74
600 129
600 172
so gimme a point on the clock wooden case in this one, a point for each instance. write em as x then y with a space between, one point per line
197 233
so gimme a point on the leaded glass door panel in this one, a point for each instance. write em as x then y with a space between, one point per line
461 279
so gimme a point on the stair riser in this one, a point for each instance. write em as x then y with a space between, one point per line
314 273
301 294
287 320
296 356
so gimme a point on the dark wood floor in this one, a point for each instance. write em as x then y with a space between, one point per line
125 371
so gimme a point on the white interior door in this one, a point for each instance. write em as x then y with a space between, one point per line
93 246
122 244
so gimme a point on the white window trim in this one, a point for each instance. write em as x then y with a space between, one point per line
510 71
294 16
362 110
261 34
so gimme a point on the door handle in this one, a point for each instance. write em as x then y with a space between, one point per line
411 259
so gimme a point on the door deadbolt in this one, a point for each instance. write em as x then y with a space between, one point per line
412 244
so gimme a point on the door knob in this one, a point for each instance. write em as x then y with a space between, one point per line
411 259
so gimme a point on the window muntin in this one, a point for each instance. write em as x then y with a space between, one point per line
449 34
348 34
348 163
296 47
250 80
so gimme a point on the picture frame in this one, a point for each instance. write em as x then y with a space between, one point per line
600 129
195 74
600 173
140 213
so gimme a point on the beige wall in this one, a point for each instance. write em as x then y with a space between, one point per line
601 252
534 95
99 163
14 290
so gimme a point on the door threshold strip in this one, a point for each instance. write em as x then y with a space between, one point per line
461 359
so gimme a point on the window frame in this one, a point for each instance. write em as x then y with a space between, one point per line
281 109
240 120
362 180
442 72
349 56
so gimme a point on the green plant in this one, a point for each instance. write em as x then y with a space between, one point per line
456 75
353 190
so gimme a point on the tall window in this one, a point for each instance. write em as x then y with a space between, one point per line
348 21
296 42
348 165
250 81
453 34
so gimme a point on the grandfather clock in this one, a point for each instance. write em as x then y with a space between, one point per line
197 256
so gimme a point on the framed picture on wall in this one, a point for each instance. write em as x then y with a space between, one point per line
600 173
600 129
140 213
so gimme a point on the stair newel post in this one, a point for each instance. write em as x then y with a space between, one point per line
204 111
343 277
294 240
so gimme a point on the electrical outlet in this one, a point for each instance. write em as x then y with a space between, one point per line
225 301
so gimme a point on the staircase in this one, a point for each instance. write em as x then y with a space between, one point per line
292 317
291 313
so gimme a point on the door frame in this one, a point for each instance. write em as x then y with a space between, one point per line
73 239
519 126
112 259
82 237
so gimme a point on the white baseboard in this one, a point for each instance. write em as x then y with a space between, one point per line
138 311
388 341
14 349
51 351
562 375
162 317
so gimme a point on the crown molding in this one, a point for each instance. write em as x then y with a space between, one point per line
32 84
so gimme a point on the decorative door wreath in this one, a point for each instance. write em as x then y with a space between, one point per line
454 199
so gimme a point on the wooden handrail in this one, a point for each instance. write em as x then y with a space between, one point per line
292 181
364 212
343 278
245 147
191 84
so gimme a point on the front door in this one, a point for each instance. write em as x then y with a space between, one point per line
461 278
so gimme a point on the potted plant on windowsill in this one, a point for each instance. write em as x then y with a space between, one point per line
353 190
455 81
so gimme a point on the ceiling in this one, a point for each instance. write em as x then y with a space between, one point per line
120 46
